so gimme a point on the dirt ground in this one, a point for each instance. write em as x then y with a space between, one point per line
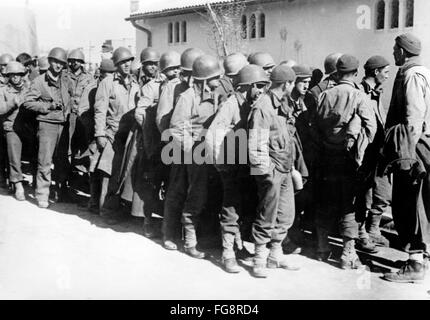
65 252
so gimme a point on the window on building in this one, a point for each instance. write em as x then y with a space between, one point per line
244 27
184 31
262 25
177 32
380 15
409 19
395 14
170 32
252 26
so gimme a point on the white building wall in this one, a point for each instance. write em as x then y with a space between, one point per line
319 26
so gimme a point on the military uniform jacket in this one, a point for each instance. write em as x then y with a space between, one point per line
410 101
168 98
231 116
145 115
77 85
270 144
193 113
44 91
114 106
11 99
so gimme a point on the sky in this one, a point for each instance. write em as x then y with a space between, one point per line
87 23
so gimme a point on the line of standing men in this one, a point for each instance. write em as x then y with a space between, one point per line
334 134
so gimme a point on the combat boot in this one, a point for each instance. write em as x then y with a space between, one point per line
169 245
228 259
43 204
19 192
374 230
148 228
194 253
366 245
259 270
349 258
323 248
191 242
276 258
230 265
412 271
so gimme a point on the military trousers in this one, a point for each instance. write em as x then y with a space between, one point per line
14 151
411 211
374 198
336 197
275 209
53 149
186 196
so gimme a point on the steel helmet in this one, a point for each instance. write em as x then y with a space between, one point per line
234 63
330 62
76 54
149 55
188 57
58 54
5 58
15 67
206 67
121 54
282 73
107 66
170 59
43 63
252 74
262 59
302 71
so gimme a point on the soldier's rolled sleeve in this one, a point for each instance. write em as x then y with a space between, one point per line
100 108
415 104
258 142
32 100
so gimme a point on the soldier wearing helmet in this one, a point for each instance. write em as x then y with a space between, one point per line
264 60
4 60
191 116
49 98
271 156
174 87
232 65
116 98
86 106
332 76
43 65
231 120
79 79
149 59
11 99
144 193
